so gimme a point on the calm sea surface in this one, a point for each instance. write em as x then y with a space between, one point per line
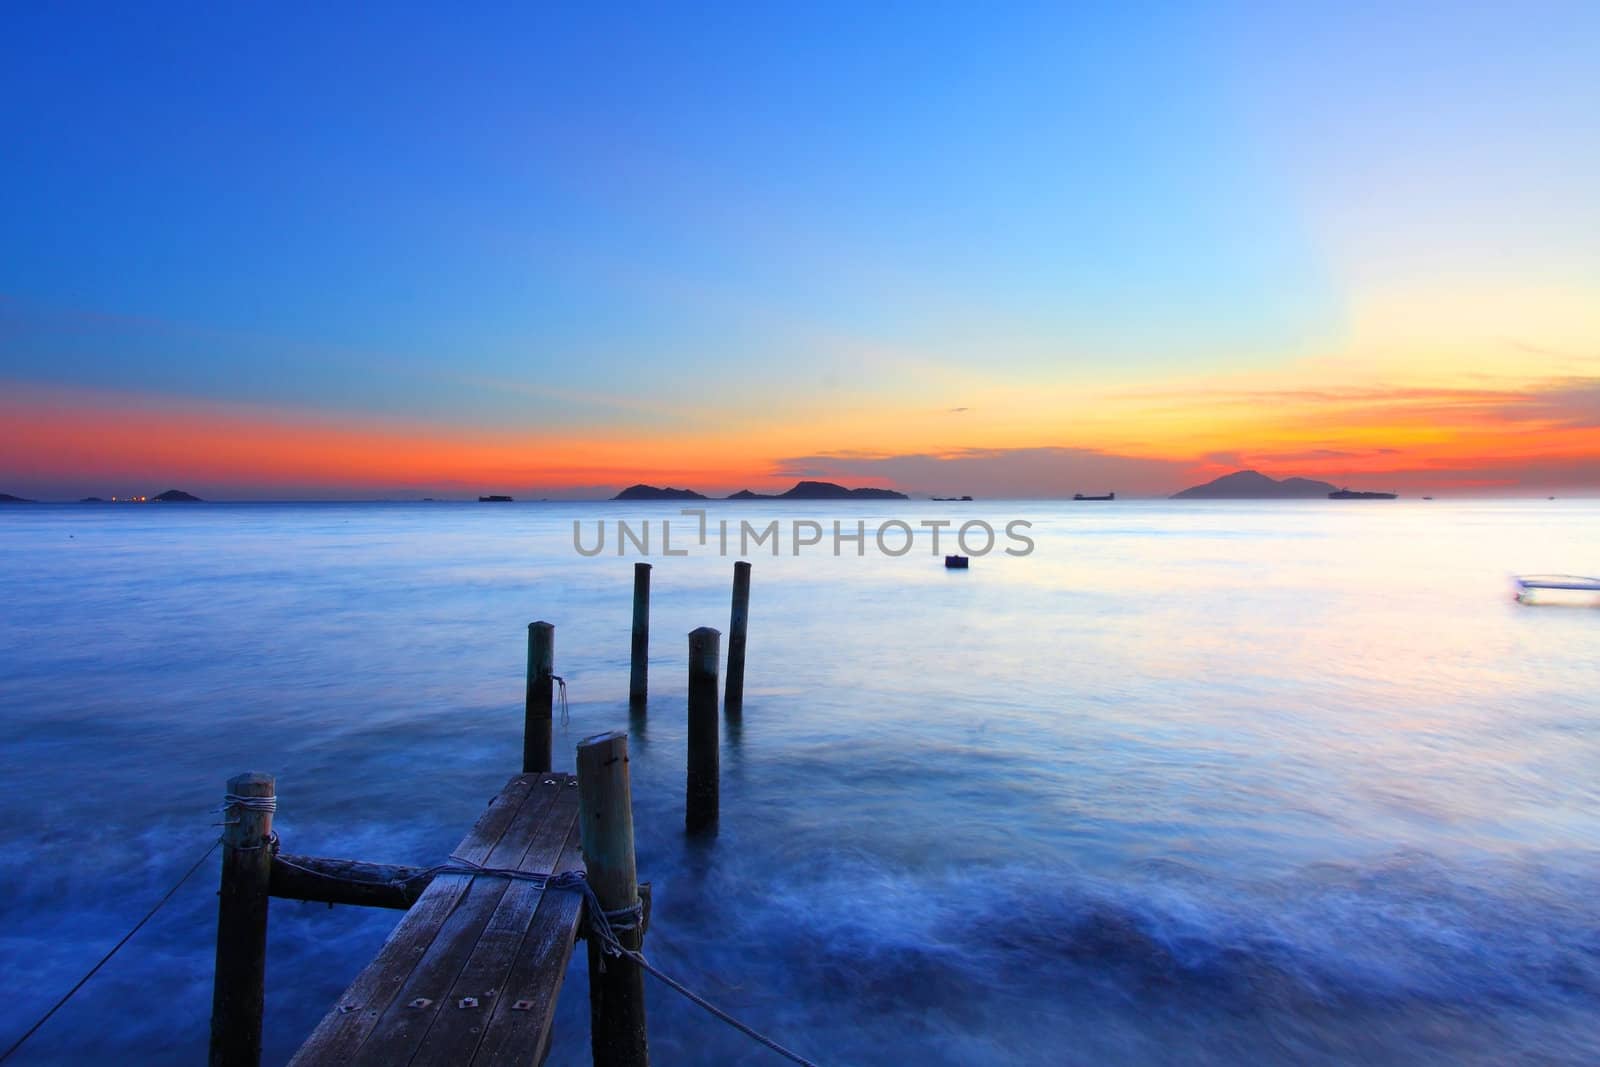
1192 783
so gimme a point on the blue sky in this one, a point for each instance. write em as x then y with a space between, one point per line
630 219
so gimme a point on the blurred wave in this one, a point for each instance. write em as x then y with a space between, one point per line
1201 784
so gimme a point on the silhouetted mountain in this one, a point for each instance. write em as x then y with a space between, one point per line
830 491
801 491
1253 485
822 491
176 495
650 492
7 498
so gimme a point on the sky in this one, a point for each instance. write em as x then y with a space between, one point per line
381 251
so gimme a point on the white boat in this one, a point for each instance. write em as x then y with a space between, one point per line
1558 581
1527 583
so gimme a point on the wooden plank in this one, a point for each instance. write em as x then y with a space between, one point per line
513 1038
337 881
425 981
456 1032
344 1028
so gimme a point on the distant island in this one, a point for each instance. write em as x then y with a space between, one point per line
7 498
801 491
176 496
822 491
650 492
1360 494
92 500
1253 485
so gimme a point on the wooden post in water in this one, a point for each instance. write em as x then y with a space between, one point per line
239 985
733 701
536 721
700 808
605 818
637 680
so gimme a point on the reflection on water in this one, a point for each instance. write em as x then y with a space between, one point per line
1204 783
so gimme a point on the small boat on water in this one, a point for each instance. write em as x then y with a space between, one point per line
1528 583
1080 496
956 563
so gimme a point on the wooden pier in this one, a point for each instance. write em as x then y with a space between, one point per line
473 969
472 972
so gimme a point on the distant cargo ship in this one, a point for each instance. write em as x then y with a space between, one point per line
494 500
1080 496
1351 494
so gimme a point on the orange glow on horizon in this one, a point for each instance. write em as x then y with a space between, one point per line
1456 436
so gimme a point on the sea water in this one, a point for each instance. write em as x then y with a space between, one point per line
1289 783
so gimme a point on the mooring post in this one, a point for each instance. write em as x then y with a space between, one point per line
617 1033
637 680
733 700
700 808
536 721
239 985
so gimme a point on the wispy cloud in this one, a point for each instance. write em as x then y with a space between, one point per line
1569 402
1555 398
1316 455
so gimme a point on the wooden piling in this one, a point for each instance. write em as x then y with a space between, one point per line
700 808
739 619
536 720
637 678
605 819
239 984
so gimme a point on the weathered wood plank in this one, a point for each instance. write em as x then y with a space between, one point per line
516 1037
426 979
343 1029
337 881
456 1032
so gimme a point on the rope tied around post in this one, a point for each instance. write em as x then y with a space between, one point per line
561 696
232 802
